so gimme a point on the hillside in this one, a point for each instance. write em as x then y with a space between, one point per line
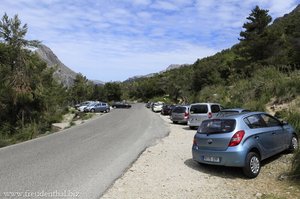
62 73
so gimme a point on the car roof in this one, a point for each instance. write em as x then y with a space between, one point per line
186 106
242 115
235 109
209 103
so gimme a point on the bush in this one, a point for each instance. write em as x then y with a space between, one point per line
293 118
254 93
4 142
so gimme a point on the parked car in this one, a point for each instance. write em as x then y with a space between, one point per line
157 106
98 107
121 105
202 111
89 103
242 140
180 114
233 111
166 109
149 104
85 103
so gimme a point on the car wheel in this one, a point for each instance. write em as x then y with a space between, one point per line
107 110
175 122
252 167
294 144
93 110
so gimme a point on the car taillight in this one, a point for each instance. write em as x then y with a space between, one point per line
194 141
236 138
186 115
209 115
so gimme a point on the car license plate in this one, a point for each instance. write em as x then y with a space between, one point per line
211 159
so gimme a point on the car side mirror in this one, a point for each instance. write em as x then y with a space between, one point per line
284 123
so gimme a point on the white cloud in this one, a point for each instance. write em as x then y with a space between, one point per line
141 2
165 5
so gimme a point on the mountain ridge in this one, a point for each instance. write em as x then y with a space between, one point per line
170 67
62 73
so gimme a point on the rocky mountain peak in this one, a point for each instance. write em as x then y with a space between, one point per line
62 73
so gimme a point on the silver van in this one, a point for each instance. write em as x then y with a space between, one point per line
180 114
202 111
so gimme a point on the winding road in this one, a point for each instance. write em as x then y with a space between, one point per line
80 162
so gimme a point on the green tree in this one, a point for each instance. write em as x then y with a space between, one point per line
29 96
99 93
258 21
81 90
255 39
113 91
13 34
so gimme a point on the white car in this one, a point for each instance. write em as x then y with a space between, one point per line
202 111
157 107
81 108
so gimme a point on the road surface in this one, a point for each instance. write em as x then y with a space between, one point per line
80 162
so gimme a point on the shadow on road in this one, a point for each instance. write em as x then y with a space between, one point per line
219 171
189 129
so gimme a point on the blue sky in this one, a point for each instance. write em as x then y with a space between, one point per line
112 40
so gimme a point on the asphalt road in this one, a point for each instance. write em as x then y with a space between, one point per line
80 162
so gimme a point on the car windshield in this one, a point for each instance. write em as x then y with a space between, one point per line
179 109
217 126
201 108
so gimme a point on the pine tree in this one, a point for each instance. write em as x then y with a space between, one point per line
255 39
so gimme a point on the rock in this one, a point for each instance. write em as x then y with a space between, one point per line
62 73
59 126
283 177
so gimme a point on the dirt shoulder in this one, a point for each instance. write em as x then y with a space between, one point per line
167 170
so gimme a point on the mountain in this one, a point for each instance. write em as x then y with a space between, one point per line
62 73
174 66
170 67
97 82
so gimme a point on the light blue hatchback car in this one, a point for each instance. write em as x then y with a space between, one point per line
242 140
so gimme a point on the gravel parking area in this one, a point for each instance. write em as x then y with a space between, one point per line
166 170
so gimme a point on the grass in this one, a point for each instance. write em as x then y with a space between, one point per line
270 196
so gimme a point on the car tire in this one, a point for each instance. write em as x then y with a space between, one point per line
193 127
175 122
252 167
294 144
93 110
107 110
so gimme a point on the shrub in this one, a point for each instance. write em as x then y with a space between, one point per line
293 118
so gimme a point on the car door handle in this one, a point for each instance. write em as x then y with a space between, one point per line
256 137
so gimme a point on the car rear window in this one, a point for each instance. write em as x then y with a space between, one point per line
215 108
179 109
198 109
217 126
